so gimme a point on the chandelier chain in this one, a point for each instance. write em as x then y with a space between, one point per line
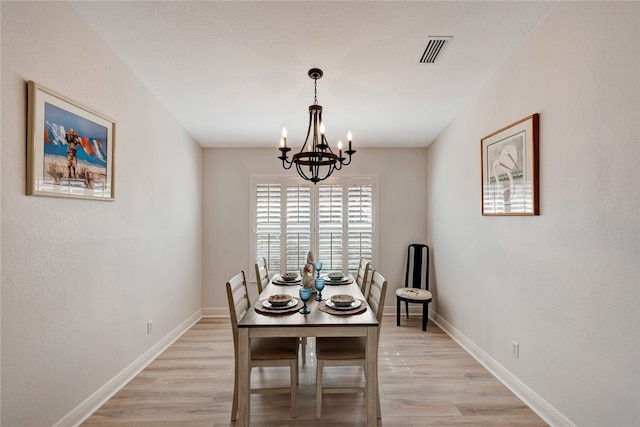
315 91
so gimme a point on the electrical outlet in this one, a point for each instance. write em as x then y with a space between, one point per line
515 349
149 327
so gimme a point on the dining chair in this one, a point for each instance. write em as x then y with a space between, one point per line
417 262
262 280
265 352
349 351
262 274
362 275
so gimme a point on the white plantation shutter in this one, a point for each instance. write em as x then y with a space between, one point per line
298 226
268 224
334 219
330 227
359 224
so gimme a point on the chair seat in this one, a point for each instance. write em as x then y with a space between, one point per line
414 294
341 348
274 348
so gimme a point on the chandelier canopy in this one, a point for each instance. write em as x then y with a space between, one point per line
315 161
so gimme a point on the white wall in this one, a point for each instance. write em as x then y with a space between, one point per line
81 278
227 196
564 284
0 230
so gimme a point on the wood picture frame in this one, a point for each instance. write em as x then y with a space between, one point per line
509 165
70 148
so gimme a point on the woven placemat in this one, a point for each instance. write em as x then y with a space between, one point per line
322 306
264 310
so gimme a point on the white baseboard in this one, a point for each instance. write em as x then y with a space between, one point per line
84 410
215 312
533 400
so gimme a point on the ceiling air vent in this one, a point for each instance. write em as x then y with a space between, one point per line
435 49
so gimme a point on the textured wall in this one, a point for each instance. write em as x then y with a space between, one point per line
564 285
227 196
81 278
0 226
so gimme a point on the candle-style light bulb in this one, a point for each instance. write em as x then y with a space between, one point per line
349 137
340 150
283 141
322 128
284 132
340 145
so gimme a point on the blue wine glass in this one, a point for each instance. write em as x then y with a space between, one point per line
305 295
318 268
319 286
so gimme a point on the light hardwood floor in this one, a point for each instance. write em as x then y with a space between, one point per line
426 379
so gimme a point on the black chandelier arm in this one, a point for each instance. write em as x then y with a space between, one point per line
286 163
342 159
324 144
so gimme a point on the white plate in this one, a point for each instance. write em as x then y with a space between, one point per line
284 280
354 304
281 281
267 304
344 281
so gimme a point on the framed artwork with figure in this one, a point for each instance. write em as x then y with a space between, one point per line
70 148
509 164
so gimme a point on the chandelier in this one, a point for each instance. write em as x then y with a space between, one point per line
315 161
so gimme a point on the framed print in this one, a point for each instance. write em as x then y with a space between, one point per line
70 148
510 169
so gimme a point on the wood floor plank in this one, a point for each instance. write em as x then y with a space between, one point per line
426 379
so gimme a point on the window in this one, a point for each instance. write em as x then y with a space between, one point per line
334 219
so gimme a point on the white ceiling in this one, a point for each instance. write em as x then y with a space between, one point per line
234 73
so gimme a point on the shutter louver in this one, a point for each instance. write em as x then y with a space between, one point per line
268 221
359 224
330 227
298 226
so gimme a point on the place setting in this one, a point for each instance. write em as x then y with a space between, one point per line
288 279
337 278
278 304
342 304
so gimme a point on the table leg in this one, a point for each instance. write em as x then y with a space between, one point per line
372 376
244 395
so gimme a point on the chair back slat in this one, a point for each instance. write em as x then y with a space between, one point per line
417 264
362 275
377 294
262 274
238 298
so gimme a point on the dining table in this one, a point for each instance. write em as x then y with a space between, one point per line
259 322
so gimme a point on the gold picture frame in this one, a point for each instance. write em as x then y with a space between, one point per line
509 165
70 148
